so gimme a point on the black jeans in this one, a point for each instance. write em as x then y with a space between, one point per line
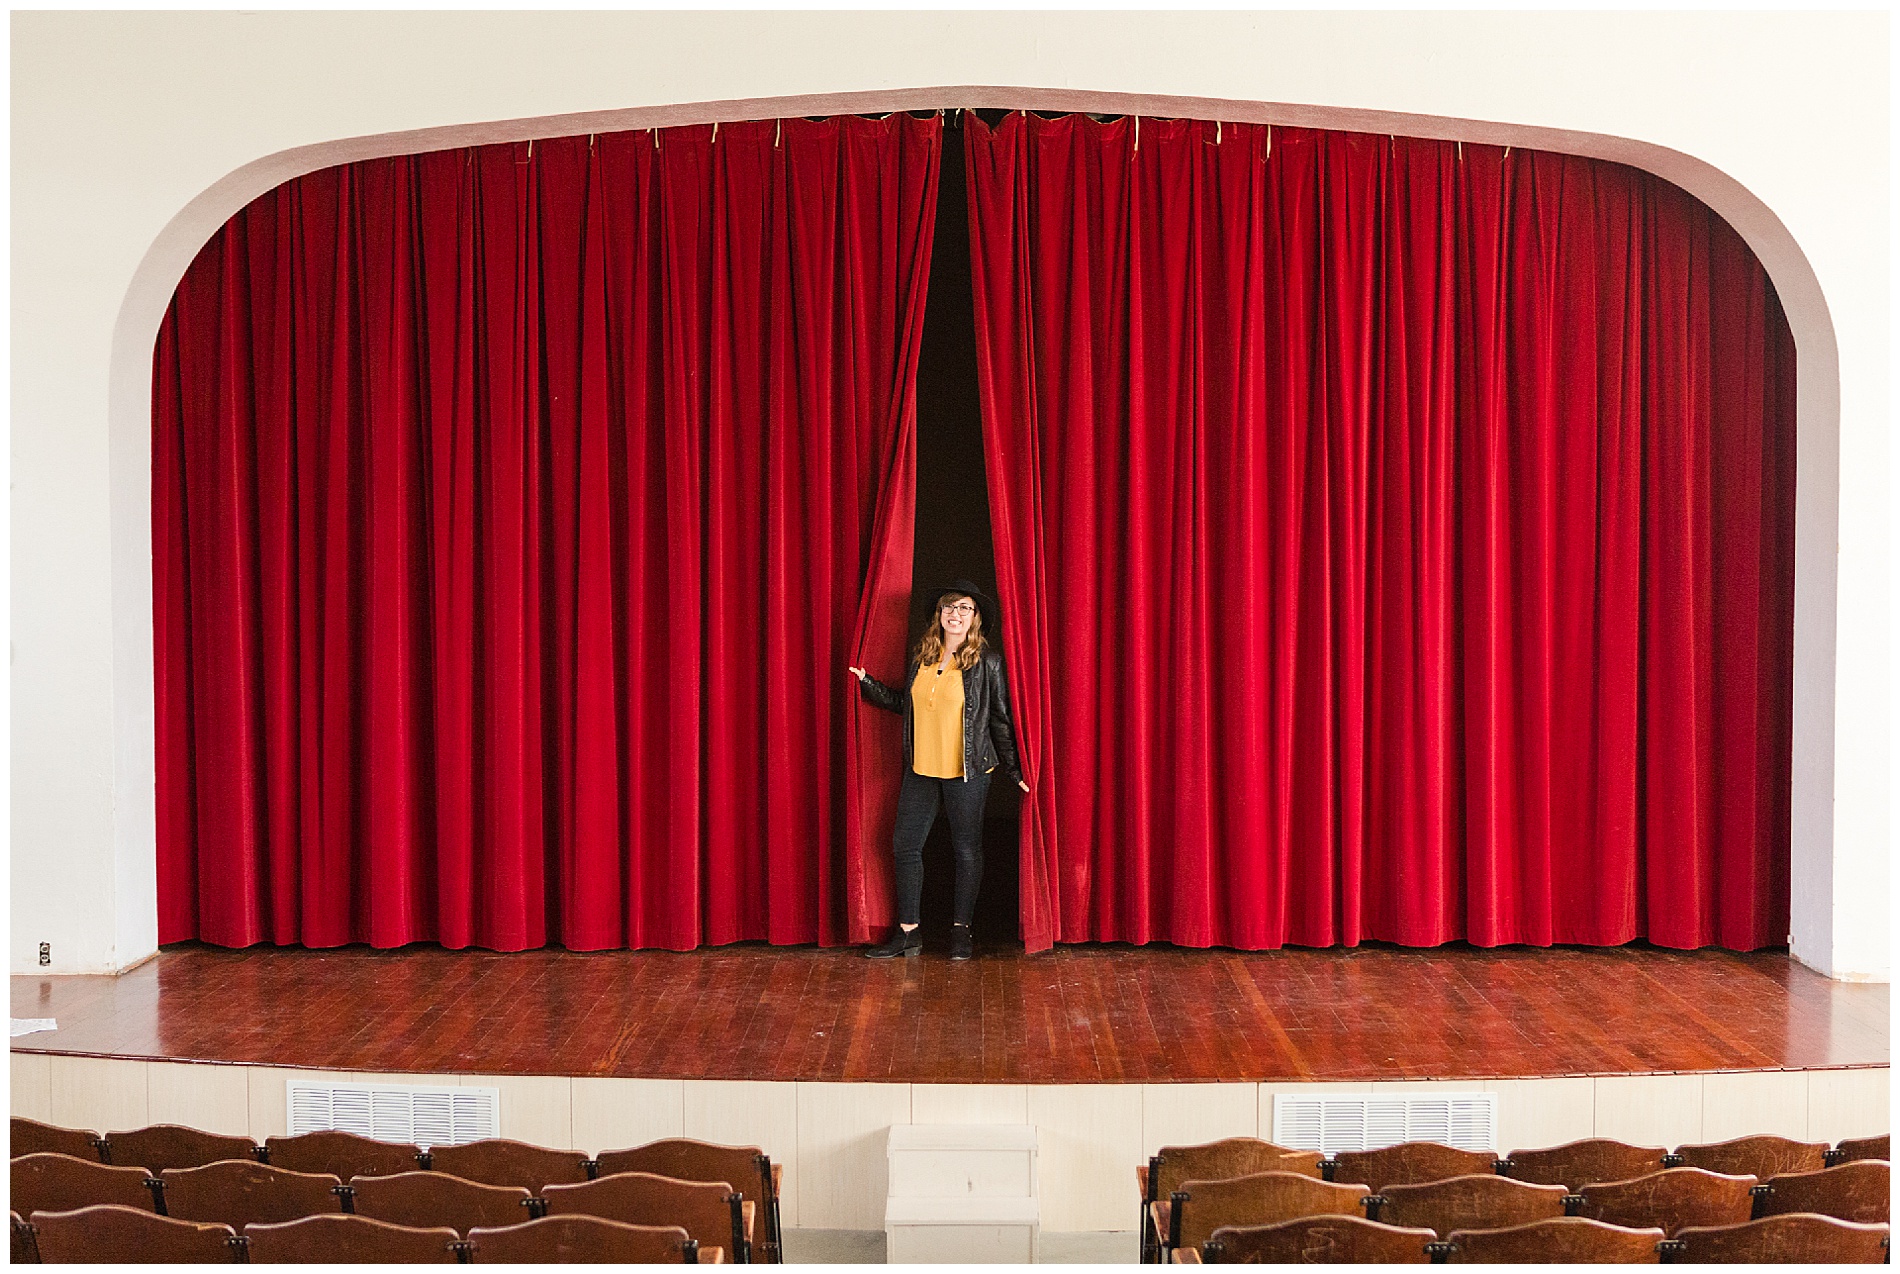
916 810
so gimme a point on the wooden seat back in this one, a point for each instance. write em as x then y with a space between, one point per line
500 1162
1409 1163
1579 1163
31 1137
1672 1199
242 1193
1851 1149
112 1235
744 1168
357 1240
1760 1157
342 1155
1559 1241
1199 1208
1480 1201
60 1183
163 1146
709 1211
1223 1160
425 1199
582 1239
1317 1240
1855 1191
1799 1238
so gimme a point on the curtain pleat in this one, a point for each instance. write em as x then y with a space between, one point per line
516 511
1397 540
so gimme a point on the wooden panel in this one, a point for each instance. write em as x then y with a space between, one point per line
969 1104
1082 1014
618 1114
842 1132
538 1109
1749 1103
1536 1113
751 1113
1849 1103
269 1099
213 1098
98 1092
1189 1114
1088 1140
1650 1110
32 1087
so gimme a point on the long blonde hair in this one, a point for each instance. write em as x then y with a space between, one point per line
930 649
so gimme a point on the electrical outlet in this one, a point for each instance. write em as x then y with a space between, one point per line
46 953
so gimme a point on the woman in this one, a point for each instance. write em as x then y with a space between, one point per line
956 731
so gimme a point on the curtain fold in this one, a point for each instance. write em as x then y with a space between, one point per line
1397 539
516 511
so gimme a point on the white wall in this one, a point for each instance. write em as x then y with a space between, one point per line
136 134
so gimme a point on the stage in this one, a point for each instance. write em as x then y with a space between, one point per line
1109 1051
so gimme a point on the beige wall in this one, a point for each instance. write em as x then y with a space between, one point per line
136 134
830 1138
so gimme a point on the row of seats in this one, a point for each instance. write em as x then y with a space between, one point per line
1189 1192
1797 1237
189 1174
107 1233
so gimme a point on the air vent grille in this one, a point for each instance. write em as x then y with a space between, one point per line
422 1114
1332 1124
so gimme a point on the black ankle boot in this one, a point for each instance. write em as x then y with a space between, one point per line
961 947
902 943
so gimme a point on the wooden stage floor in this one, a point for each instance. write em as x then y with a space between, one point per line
1077 1015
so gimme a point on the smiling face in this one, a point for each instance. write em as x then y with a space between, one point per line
956 612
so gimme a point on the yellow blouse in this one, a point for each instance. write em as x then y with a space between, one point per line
936 701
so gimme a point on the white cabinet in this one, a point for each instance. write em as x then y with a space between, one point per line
961 1193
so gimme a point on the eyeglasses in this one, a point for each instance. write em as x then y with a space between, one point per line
960 608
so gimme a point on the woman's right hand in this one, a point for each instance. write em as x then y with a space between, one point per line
856 672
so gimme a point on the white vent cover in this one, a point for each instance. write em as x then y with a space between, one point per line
422 1114
1468 1121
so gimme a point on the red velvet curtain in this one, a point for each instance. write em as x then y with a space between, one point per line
1396 538
515 512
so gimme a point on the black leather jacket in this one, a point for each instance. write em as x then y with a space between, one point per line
989 739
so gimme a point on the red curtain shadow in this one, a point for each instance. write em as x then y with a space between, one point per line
516 511
1397 539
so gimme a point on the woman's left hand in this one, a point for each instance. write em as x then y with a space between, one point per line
1022 784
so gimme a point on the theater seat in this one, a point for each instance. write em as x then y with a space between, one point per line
1578 1163
1672 1199
163 1146
112 1235
339 1239
1198 1208
1855 1148
1799 1238
60 1183
241 1193
1407 1164
1315 1240
436 1198
500 1162
1857 1191
574 1240
1559 1241
31 1137
711 1212
746 1169
342 1154
1480 1201
1761 1157
1221 1160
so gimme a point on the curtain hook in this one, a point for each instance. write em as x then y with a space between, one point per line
531 150
715 136
778 131
656 139
1507 154
1461 150
1269 155
1137 134
1217 132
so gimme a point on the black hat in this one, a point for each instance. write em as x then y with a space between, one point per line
985 604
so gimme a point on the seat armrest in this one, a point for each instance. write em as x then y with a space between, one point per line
748 1210
1187 1256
